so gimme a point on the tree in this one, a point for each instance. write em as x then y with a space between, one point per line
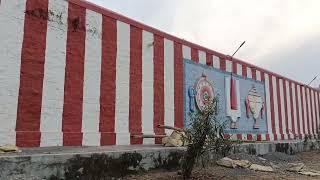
205 134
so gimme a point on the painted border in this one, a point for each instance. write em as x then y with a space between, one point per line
132 22
187 61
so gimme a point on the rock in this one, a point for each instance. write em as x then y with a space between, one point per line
295 167
9 148
274 166
262 159
310 172
257 167
242 163
176 139
226 162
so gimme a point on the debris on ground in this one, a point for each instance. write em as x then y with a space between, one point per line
257 167
309 172
176 139
9 149
267 164
302 169
227 162
295 167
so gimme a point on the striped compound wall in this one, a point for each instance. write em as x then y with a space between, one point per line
72 73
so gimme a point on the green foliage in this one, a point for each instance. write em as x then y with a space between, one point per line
205 135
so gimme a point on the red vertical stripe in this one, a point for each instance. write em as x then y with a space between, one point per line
135 100
302 110
108 81
222 64
313 110
285 106
307 110
279 108
158 85
195 55
239 136
262 76
317 112
178 86
73 89
32 73
234 67
272 107
297 111
209 59
244 70
254 73
291 106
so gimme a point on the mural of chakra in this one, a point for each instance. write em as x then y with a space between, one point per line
255 106
232 97
202 93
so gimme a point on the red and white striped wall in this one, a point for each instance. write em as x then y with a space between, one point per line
73 74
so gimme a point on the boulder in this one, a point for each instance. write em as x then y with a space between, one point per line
9 148
310 172
295 167
257 167
226 162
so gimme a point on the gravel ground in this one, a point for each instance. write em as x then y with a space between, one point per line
277 160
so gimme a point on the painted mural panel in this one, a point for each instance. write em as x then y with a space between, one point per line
241 100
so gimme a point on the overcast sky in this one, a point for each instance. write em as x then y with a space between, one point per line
281 35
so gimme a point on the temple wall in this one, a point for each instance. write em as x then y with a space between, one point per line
75 74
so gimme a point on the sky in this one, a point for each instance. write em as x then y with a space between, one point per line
281 36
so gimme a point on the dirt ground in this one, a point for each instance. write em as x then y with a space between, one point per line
277 160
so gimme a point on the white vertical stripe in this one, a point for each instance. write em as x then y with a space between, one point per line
92 78
202 57
300 109
228 66
289 108
11 37
309 110
268 105
249 72
275 100
186 52
283 117
147 86
239 69
168 84
122 84
216 62
295 119
54 71
258 75
305 110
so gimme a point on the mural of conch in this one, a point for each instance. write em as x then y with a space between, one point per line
254 106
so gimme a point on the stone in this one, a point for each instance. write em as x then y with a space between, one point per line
9 148
295 167
310 172
226 162
257 167
176 139
242 163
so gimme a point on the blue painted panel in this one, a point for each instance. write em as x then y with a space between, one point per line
193 71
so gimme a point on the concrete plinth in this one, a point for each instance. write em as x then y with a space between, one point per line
115 161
